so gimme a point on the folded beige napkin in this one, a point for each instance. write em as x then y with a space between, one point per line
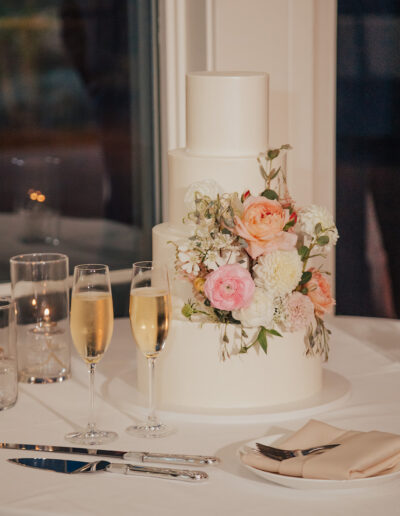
360 454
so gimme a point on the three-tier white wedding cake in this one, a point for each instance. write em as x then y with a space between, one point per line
226 129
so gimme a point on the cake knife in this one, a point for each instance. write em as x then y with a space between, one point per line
75 466
168 458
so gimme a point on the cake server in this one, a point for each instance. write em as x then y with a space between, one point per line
166 458
73 467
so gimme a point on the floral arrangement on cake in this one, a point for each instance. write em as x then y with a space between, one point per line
248 260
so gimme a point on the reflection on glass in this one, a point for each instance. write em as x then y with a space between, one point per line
76 82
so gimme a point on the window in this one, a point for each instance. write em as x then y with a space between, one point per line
78 130
368 158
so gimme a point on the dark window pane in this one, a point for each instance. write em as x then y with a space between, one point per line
77 142
368 158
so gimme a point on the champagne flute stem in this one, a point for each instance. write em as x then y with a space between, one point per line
151 418
91 423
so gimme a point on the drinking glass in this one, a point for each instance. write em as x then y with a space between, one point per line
91 322
150 313
40 290
8 356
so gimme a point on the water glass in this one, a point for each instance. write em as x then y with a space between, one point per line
39 285
8 357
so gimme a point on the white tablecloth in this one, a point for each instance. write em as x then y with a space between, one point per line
366 351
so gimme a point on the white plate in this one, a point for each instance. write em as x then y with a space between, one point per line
310 483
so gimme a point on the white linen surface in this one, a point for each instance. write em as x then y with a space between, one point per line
44 413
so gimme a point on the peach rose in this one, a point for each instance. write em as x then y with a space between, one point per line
261 226
319 291
230 287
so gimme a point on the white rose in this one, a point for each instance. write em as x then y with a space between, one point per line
259 313
207 187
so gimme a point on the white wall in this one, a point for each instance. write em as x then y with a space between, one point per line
295 42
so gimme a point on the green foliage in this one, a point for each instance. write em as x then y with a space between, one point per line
270 194
289 224
323 240
262 339
318 228
305 277
303 252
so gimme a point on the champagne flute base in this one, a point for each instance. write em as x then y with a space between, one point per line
150 430
91 437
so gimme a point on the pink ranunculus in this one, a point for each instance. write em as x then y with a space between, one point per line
261 226
230 287
319 291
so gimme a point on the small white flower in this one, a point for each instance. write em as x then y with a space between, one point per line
312 215
278 272
214 260
208 188
259 313
189 259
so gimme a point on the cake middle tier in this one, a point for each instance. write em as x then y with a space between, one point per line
232 174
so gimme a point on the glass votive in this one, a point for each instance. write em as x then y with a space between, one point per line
39 286
8 356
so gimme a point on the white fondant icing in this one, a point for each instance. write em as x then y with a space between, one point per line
226 113
191 373
233 174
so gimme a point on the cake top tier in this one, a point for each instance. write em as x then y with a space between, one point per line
226 113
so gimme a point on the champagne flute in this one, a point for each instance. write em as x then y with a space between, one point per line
150 313
91 321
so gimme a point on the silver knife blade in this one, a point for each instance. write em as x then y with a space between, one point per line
75 466
169 458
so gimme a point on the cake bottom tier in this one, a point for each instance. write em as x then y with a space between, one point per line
190 372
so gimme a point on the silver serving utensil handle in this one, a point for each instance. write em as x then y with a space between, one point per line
186 475
173 459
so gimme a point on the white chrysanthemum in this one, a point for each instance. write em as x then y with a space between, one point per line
208 187
278 272
312 215
259 313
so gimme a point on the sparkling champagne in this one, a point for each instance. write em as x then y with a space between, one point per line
150 311
92 322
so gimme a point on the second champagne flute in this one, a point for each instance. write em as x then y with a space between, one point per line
92 321
150 313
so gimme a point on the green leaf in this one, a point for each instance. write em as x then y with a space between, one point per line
323 240
304 291
274 332
303 252
270 194
286 146
243 350
274 173
273 153
262 339
305 277
244 334
288 225
263 173
226 231
318 228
